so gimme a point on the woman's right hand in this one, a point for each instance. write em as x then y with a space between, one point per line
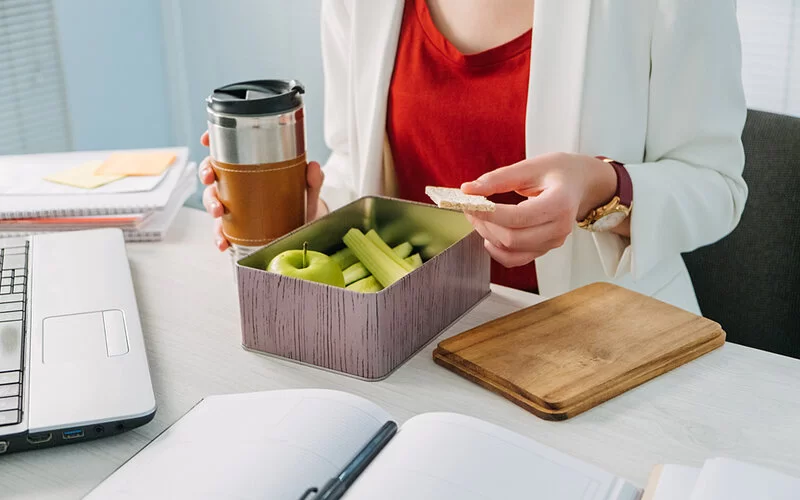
314 178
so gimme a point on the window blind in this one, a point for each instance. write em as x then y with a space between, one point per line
33 113
770 31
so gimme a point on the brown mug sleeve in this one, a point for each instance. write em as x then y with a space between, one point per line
262 202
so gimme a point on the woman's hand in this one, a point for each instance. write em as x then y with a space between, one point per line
562 189
314 178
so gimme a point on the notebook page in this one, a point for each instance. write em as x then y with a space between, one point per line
25 174
444 455
261 445
161 220
725 479
94 202
674 482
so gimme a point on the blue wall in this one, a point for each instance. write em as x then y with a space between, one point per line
210 43
137 72
112 54
214 42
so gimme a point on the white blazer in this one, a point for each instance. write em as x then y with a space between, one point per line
655 84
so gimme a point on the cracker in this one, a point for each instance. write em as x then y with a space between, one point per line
455 199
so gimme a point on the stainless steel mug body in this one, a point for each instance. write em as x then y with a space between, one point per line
258 153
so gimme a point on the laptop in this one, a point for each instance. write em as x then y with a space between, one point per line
72 359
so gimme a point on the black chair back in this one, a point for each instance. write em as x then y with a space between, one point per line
749 281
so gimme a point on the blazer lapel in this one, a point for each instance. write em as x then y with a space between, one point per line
555 94
376 32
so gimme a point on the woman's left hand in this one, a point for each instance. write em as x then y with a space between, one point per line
562 189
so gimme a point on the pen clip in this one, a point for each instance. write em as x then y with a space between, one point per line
308 492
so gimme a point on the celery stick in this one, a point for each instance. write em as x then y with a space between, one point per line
385 270
366 285
415 260
354 273
357 271
403 250
345 258
376 240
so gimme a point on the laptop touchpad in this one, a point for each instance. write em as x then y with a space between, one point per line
87 336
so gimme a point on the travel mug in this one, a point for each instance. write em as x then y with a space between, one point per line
256 134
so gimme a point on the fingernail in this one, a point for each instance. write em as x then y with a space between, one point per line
218 242
205 171
214 206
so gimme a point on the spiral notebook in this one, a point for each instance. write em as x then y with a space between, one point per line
25 193
156 222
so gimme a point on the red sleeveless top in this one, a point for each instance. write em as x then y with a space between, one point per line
453 117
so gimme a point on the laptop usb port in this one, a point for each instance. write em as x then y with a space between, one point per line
73 434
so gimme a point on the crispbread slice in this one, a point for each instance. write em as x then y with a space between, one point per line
455 199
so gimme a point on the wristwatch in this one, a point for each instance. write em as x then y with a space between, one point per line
618 209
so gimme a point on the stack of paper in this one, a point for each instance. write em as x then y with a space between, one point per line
139 191
720 479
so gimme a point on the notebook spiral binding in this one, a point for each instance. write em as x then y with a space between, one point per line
80 212
131 235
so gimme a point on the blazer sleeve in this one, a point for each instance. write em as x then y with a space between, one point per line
339 187
689 191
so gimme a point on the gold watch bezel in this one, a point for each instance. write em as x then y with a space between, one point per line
613 206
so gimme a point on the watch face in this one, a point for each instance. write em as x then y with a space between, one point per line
608 222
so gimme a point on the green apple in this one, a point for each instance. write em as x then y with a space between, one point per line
308 265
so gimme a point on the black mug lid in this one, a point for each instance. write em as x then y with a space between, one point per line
257 97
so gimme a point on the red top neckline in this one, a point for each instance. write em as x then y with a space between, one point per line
518 46
453 117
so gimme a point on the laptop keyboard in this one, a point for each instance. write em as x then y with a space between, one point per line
13 302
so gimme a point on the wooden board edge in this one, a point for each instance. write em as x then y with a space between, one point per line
615 391
467 366
442 357
644 371
444 360
479 334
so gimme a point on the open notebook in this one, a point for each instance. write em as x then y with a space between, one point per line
720 479
278 444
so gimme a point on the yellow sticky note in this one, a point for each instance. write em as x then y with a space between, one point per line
139 163
83 176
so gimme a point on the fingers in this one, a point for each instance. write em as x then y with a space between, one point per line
531 212
517 244
206 173
219 238
508 258
554 203
314 179
521 177
537 239
211 201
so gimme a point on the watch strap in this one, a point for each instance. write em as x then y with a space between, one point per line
624 184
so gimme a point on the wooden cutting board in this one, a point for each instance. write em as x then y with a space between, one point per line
566 355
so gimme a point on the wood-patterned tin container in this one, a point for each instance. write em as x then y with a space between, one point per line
366 335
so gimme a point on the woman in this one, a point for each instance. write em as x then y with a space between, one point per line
523 99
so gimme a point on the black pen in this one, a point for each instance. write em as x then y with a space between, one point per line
336 487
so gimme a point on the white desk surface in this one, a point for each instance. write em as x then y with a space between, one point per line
734 402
